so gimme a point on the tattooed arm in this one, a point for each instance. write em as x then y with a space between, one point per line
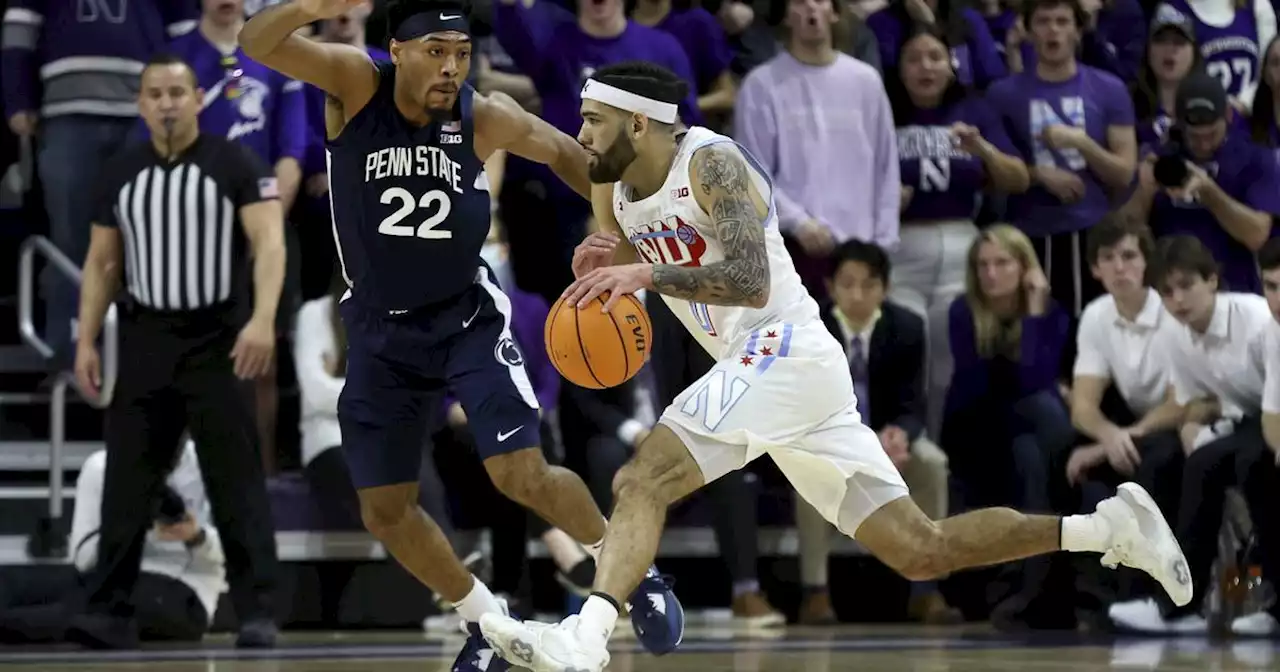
723 188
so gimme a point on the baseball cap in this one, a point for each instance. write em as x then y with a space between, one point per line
1168 17
1201 99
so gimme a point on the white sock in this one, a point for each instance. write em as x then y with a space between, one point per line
594 550
596 621
477 603
1085 534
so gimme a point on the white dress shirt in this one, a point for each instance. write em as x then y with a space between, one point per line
1126 352
1227 360
1271 388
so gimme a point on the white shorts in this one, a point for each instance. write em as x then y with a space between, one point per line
788 393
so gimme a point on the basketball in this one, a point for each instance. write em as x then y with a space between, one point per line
598 350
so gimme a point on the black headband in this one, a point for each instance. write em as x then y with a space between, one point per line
424 23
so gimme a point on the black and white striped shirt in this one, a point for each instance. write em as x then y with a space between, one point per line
184 245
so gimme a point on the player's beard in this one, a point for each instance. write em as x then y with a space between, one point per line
610 165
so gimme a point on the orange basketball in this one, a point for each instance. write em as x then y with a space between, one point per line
598 350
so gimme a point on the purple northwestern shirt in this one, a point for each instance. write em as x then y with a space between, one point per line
1248 174
704 42
245 100
1232 53
1093 100
946 181
978 62
826 135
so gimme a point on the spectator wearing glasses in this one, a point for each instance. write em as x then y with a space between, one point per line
1216 361
1073 124
1207 182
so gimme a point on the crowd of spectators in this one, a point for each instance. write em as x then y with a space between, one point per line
1042 230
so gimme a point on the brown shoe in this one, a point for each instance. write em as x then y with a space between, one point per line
816 609
933 610
752 609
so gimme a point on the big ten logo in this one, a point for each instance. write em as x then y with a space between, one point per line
682 192
669 241
636 328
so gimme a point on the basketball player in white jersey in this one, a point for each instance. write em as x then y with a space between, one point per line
699 215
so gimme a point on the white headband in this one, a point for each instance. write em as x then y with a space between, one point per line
631 102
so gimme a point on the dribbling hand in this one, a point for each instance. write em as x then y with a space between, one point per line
616 280
595 251
328 9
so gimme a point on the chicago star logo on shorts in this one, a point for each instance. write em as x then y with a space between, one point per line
507 352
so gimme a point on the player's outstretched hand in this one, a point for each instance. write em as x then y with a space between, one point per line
594 251
616 280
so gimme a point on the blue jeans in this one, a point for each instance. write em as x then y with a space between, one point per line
71 153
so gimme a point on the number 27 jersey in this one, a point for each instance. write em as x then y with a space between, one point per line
669 227
410 204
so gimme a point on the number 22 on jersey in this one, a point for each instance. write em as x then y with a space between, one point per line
435 200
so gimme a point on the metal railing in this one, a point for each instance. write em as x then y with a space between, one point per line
40 246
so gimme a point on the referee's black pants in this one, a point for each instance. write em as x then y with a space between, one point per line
176 373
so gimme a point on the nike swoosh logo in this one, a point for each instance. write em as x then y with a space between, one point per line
446 17
467 322
503 436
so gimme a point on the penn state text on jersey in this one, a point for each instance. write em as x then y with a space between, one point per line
410 204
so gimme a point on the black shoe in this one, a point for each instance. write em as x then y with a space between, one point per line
259 633
103 631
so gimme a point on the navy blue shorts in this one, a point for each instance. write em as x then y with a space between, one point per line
399 368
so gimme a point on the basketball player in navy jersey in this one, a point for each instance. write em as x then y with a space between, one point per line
407 141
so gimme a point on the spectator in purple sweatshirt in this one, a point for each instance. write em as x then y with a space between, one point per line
952 150
1005 422
81 91
1111 40
977 62
819 121
265 111
704 41
1171 55
559 50
1073 125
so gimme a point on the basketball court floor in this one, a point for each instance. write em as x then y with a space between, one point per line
848 649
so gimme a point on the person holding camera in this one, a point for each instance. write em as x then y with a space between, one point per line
1207 182
183 571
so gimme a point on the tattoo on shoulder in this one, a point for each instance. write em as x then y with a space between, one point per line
743 277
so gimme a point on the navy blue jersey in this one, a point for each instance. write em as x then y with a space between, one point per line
410 204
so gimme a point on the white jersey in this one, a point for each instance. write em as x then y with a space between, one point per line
669 227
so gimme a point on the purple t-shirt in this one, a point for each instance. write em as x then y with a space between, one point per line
704 43
1093 100
945 179
245 100
1248 174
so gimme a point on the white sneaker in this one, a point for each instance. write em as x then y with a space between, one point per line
542 647
1144 616
1261 624
1141 539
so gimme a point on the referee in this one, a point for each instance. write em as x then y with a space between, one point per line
175 215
